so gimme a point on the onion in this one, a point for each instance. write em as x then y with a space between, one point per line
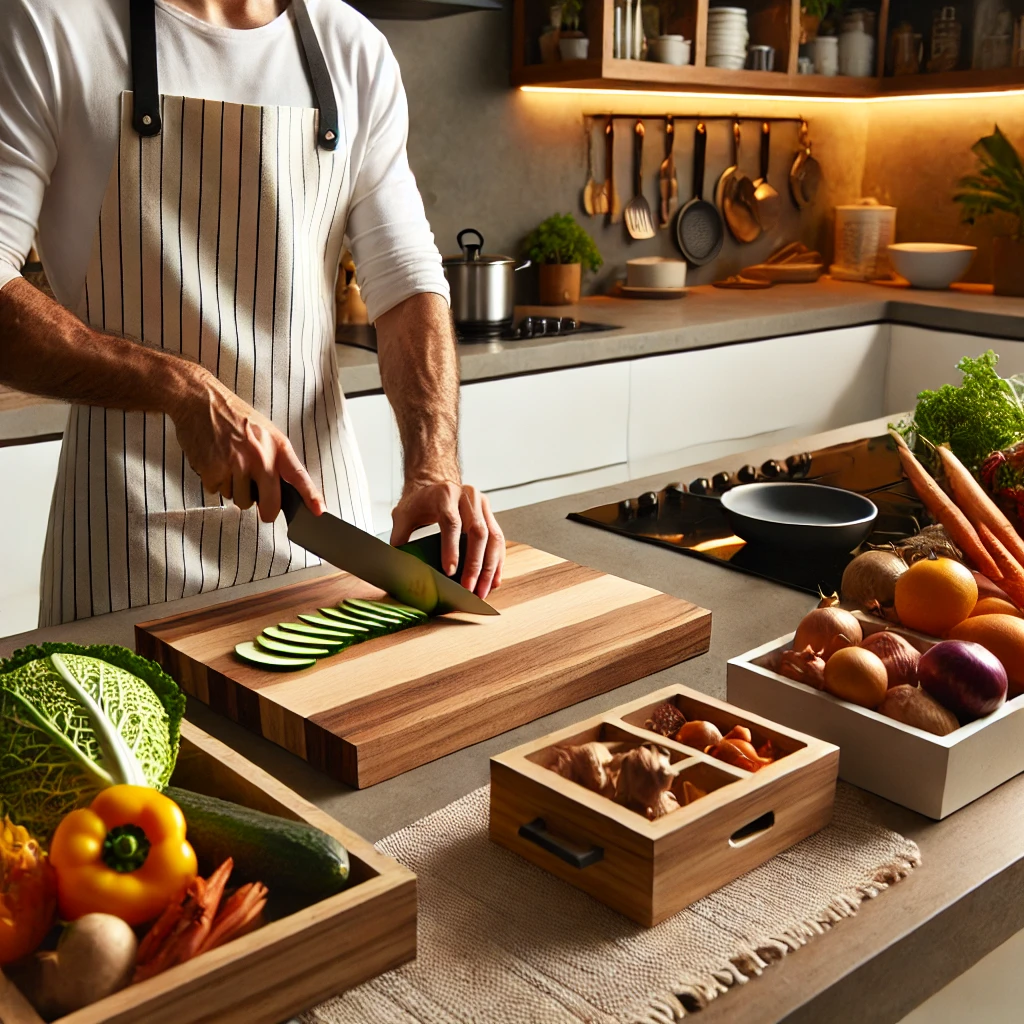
838 643
898 654
828 620
870 582
964 677
699 734
856 675
804 667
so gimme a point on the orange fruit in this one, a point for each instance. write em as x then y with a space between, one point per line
994 606
933 595
1003 635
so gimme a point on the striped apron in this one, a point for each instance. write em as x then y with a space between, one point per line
219 239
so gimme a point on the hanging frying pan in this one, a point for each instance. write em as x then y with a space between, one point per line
700 232
734 196
805 175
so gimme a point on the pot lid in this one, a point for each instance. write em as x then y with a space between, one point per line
471 250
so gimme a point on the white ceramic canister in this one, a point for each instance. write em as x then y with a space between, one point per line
856 52
826 55
670 50
863 233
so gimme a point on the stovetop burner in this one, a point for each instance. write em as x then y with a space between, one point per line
364 335
690 519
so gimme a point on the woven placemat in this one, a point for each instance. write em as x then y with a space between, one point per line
503 941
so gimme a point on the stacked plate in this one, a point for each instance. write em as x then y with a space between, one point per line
727 37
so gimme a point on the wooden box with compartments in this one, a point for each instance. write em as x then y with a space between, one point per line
729 819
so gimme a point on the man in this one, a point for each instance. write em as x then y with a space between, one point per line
191 169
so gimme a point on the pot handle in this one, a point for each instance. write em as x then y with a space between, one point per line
470 250
524 265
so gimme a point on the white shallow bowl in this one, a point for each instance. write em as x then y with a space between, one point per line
655 272
725 61
931 264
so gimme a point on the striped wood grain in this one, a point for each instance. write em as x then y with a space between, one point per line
565 633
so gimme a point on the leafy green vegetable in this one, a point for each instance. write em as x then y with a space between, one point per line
984 415
559 239
75 719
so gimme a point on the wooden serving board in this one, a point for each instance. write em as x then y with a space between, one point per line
386 705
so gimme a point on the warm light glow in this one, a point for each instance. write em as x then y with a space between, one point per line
775 98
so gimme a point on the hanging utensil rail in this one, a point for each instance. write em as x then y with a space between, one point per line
694 117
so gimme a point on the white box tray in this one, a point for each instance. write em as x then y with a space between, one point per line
934 775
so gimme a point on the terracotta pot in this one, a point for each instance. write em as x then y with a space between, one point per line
560 284
808 27
1008 266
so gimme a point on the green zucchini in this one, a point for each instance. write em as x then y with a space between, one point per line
319 622
304 639
342 621
386 622
298 863
268 643
316 632
265 659
404 610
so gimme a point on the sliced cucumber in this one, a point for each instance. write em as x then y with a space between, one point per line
294 650
406 611
374 618
265 659
332 643
316 632
342 621
319 622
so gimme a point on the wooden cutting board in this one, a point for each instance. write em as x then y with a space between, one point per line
386 705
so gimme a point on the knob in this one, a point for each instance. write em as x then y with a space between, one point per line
773 469
648 503
799 465
675 491
627 509
721 482
567 323
700 486
747 475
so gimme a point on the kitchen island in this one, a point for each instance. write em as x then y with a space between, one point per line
899 949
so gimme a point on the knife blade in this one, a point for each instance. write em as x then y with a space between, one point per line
404 576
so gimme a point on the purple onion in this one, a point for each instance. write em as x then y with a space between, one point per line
964 677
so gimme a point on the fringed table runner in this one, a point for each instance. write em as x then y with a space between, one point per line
502 941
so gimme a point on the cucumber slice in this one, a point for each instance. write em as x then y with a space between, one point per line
385 608
332 643
319 622
341 621
265 659
374 618
316 632
294 650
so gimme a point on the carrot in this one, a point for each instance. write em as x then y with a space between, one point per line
957 525
1013 575
979 508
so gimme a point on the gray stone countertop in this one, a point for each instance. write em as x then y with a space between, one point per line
900 948
706 317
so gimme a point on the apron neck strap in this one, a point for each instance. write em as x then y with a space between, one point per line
145 82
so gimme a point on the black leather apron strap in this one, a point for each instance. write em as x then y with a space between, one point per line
145 86
145 82
327 132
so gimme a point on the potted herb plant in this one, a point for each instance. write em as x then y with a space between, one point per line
572 43
561 248
997 189
811 14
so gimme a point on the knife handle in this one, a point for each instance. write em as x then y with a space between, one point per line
291 500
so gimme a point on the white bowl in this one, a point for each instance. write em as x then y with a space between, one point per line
724 61
655 272
931 264
670 50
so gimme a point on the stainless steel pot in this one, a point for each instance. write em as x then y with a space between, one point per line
483 287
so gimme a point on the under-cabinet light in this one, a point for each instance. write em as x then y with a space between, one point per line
774 97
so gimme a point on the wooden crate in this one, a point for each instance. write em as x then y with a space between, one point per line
287 965
649 870
933 775
384 706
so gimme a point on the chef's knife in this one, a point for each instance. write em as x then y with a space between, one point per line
404 576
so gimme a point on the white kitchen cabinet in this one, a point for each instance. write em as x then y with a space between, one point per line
920 358
519 430
29 470
377 437
715 401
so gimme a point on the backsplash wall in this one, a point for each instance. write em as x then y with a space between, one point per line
491 157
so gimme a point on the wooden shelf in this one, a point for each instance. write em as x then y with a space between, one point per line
775 20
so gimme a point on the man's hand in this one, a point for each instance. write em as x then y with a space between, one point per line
229 444
456 508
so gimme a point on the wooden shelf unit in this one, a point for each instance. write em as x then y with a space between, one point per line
772 22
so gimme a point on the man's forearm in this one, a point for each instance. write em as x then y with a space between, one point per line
419 369
45 350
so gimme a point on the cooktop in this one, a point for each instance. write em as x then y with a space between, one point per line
364 335
688 517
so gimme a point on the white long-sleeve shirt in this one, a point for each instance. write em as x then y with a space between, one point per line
64 64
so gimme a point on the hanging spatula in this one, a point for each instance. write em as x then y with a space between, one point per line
639 222
667 176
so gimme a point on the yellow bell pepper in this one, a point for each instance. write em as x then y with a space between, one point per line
126 855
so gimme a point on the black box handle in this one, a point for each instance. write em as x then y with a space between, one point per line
536 832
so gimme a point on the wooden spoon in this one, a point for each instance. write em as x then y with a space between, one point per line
592 191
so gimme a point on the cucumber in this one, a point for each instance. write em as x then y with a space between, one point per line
265 659
303 639
341 621
316 632
387 622
319 622
296 861
268 643
404 610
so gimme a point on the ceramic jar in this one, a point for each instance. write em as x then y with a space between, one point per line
826 55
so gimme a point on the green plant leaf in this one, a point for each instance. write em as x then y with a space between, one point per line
559 239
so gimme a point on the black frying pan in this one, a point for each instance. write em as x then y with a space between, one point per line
699 228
